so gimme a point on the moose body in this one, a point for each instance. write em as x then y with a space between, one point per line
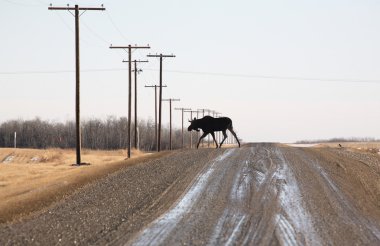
209 125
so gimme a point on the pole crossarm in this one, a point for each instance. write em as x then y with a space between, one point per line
171 100
190 111
155 86
160 55
73 8
130 47
136 61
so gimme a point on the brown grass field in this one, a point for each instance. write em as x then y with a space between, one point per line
372 147
32 179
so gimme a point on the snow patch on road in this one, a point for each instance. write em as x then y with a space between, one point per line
292 208
302 145
159 229
285 232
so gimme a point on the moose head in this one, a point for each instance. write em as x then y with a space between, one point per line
193 125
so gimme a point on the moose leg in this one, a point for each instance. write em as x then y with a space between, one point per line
203 135
225 136
233 133
213 136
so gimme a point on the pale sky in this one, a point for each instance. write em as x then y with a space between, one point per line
218 42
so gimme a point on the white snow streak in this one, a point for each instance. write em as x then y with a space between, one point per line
159 229
291 203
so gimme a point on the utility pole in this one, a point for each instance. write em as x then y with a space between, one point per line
155 110
129 48
136 72
219 134
182 109
77 73
198 134
191 133
161 56
208 137
203 115
215 115
170 100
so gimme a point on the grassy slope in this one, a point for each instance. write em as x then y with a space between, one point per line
35 179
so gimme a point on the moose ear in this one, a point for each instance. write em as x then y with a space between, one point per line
190 121
195 118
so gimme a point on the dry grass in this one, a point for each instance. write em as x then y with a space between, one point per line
372 147
35 178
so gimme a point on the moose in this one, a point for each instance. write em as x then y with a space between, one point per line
209 125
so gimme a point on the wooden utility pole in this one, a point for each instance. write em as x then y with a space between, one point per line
203 115
155 111
182 109
77 74
219 134
136 72
170 100
191 133
161 56
208 137
129 48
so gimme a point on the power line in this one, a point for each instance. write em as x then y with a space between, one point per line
116 27
95 34
201 73
23 3
274 77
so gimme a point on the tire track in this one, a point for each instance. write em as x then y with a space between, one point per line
276 211
161 228
263 205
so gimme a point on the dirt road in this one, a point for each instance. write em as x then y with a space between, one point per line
260 194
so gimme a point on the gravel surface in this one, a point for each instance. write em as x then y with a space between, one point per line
260 194
112 208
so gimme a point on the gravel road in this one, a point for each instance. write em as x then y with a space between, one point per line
260 194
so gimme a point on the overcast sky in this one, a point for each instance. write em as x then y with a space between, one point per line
282 70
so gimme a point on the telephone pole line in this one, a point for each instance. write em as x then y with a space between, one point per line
161 56
182 109
170 100
155 111
76 9
129 48
136 72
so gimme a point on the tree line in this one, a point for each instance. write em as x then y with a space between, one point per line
107 134
337 140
